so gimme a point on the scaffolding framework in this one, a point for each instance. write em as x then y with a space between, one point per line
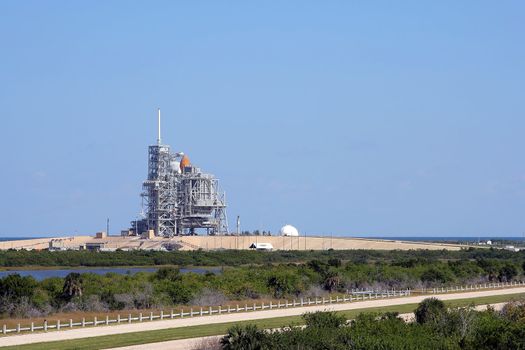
180 199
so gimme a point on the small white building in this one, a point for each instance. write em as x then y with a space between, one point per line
261 246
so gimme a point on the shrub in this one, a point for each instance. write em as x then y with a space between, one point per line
430 310
247 337
326 319
209 297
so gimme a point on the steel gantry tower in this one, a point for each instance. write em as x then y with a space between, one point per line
179 199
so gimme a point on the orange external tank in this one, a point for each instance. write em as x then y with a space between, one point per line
184 162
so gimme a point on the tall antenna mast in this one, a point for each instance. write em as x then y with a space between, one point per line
159 141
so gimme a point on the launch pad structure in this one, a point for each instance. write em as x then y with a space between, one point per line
178 198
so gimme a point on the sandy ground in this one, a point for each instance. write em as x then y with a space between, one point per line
226 242
245 316
196 343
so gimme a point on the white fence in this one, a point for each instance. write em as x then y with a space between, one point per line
218 310
470 287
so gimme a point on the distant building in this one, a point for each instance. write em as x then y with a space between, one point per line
262 246
289 230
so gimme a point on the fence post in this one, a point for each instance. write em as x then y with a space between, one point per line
246 307
286 303
18 327
4 329
254 307
271 305
129 318
181 313
229 309
302 301
201 313
95 321
191 312
151 316
161 315
83 322
238 308
107 320
70 323
278 304
172 314
32 326
220 309
210 311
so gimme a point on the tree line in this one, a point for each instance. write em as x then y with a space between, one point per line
15 258
168 287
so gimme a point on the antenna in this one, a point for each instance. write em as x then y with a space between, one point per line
159 142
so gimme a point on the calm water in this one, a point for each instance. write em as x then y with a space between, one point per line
448 239
17 238
42 274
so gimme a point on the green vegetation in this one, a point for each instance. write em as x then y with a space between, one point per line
326 272
23 258
436 328
104 342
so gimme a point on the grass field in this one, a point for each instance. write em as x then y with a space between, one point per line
110 341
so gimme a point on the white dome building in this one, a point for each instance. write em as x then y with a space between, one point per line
289 230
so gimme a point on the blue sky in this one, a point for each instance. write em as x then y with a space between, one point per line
350 118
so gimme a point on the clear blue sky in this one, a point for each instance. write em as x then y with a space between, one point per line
351 118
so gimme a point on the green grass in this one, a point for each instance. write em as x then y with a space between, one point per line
110 341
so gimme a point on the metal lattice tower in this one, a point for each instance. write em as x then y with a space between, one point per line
178 197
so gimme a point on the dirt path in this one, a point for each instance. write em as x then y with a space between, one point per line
244 316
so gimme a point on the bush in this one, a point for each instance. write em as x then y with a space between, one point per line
15 287
247 337
282 284
430 310
434 275
325 319
168 273
209 297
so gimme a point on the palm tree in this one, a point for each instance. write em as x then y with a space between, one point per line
332 281
72 286
247 337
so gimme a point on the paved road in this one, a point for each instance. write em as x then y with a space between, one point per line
196 343
236 317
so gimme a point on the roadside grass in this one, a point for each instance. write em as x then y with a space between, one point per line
127 339
77 316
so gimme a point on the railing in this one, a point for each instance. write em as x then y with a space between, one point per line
219 310
471 287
